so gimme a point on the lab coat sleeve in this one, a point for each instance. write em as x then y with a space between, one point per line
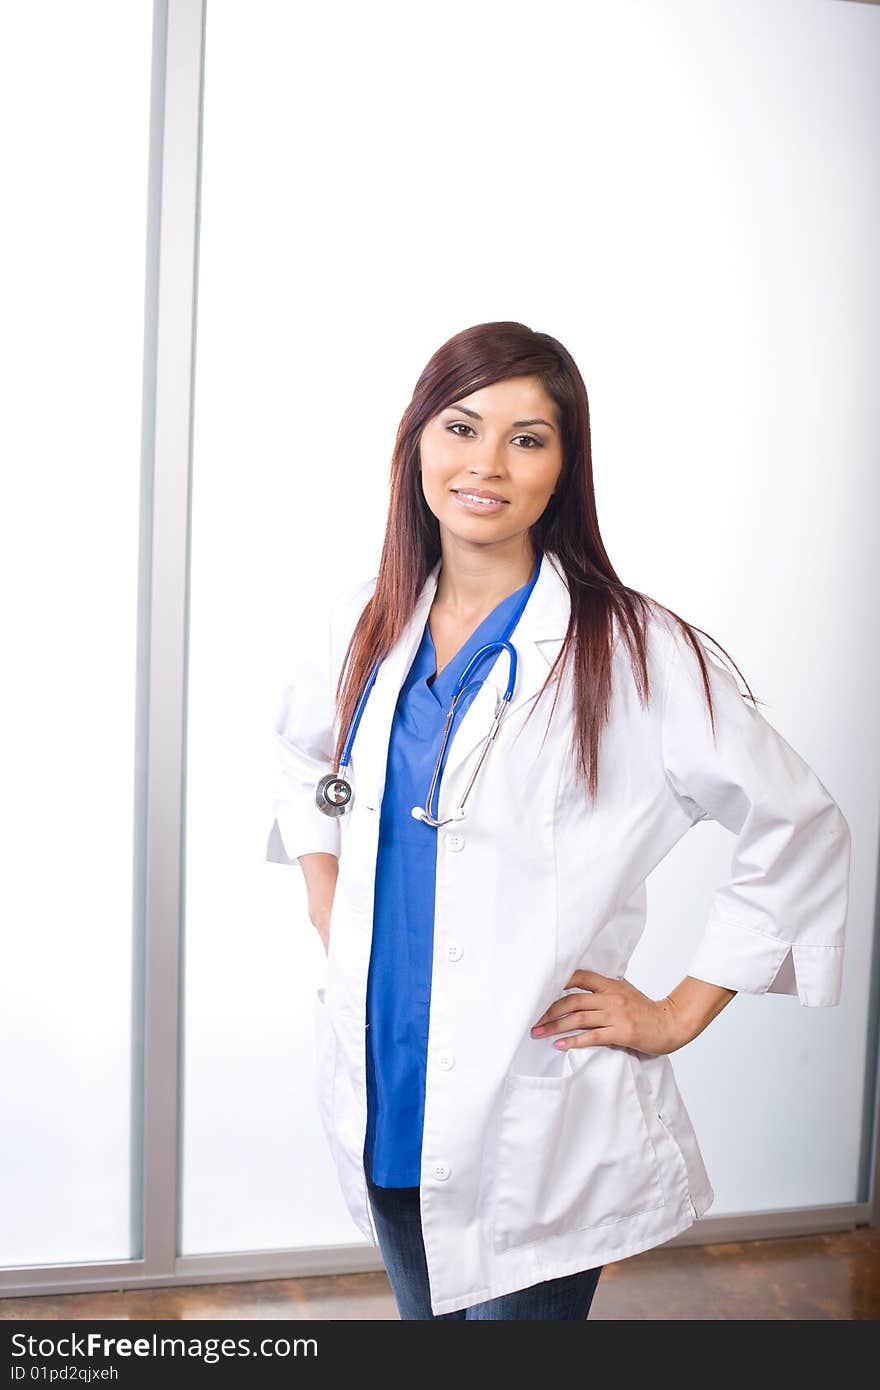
777 925
304 738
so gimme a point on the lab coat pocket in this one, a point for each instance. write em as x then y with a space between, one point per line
573 1150
325 1065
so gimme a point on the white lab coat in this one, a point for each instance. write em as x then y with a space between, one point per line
538 1162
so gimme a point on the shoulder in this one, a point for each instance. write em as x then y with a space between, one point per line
346 606
698 676
663 629
660 631
676 654
353 595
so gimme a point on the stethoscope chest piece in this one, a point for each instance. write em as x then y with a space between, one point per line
333 795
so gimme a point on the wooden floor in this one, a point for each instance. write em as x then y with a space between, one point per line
813 1277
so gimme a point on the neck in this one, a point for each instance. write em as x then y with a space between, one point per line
473 578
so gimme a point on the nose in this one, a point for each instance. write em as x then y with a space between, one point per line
487 464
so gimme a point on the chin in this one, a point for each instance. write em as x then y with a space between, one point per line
479 532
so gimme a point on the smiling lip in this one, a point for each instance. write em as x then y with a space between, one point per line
481 492
467 498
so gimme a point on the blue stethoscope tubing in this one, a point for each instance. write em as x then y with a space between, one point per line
334 794
461 685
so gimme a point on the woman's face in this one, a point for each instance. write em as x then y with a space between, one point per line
503 440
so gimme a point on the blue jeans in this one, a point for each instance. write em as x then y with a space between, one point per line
397 1214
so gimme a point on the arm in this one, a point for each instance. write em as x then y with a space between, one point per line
304 735
777 925
692 1006
321 872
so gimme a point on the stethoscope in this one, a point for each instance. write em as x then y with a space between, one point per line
334 793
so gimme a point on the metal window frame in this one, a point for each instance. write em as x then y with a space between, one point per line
176 116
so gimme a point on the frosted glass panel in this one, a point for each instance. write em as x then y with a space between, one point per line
256 1172
685 195
74 105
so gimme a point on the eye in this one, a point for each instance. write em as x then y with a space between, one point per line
460 425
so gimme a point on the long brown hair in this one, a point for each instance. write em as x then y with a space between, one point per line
569 527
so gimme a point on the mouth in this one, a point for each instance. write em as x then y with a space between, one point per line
479 501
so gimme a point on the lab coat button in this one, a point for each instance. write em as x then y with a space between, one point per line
446 1060
455 841
441 1171
453 951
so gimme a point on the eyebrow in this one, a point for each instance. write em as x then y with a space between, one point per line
517 424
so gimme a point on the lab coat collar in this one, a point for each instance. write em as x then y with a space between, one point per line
537 638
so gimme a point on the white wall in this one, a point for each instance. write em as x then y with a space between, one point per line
687 195
75 115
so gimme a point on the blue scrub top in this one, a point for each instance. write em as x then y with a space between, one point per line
399 980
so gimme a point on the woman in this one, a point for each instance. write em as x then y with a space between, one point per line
497 1097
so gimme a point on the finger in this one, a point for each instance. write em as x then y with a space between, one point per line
589 979
589 1017
593 1037
566 1005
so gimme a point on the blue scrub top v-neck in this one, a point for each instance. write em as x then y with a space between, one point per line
399 980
